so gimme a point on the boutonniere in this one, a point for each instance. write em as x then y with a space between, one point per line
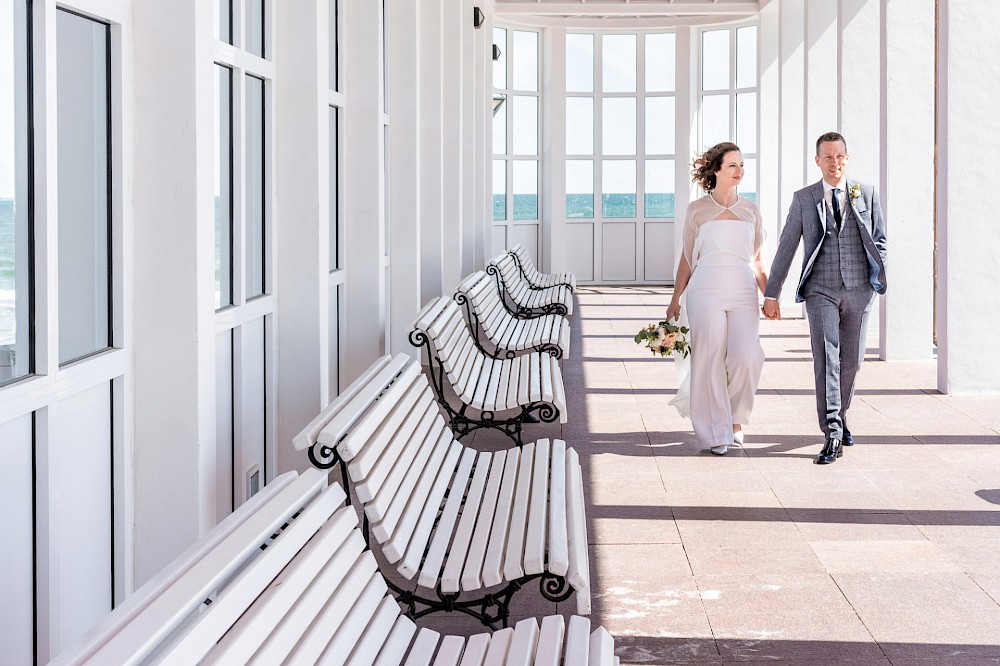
855 192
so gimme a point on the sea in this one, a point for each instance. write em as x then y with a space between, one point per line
6 271
656 206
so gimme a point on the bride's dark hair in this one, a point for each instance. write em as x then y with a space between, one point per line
706 165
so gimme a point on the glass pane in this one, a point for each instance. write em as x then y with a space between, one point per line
500 64
500 129
334 188
746 57
748 186
619 126
714 120
579 63
659 125
499 189
660 62
224 436
224 21
223 186
579 188
15 177
579 125
254 27
618 63
524 58
333 341
254 167
659 188
83 116
525 127
746 122
618 187
334 42
525 189
715 60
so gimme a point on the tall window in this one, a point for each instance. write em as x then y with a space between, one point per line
620 125
515 126
338 274
729 85
15 188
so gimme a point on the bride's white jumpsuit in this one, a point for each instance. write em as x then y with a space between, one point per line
722 309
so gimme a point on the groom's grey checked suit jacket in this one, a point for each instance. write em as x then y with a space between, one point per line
836 263
807 219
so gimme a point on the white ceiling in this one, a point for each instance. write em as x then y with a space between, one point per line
625 13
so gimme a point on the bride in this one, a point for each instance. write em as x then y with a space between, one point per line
719 275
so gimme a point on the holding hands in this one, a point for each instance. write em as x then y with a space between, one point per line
771 308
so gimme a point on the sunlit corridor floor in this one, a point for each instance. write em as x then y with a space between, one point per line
889 556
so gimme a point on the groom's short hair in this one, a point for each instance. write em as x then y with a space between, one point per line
831 136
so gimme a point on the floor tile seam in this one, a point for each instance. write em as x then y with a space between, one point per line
701 599
864 624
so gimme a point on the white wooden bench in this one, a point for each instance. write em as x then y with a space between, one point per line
486 310
535 277
287 579
471 527
528 301
530 385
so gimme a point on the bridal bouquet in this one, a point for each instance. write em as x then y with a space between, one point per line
664 339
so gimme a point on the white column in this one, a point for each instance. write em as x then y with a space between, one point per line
821 77
907 179
686 131
968 301
431 137
453 32
552 253
471 36
770 112
302 222
174 272
363 147
404 171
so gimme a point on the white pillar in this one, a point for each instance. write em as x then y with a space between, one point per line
907 179
431 137
552 252
822 87
173 255
471 36
453 32
302 221
404 171
686 130
363 149
769 143
968 300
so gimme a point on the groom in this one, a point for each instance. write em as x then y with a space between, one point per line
840 223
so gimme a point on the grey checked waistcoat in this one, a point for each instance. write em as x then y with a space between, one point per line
841 260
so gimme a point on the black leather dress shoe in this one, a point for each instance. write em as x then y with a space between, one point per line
847 439
830 452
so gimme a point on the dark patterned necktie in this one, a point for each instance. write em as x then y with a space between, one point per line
836 206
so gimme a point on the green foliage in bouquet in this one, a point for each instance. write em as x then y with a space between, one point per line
664 338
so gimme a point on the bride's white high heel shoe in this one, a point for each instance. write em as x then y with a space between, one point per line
720 450
738 437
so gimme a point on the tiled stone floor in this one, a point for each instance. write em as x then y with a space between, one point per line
889 556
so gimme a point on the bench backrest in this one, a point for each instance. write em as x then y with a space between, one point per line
248 591
511 274
480 291
442 321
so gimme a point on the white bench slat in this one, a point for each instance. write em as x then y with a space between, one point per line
472 572
366 393
410 564
546 381
578 641
493 563
395 547
423 648
465 354
550 641
431 568
404 470
578 573
503 386
405 492
496 655
493 387
467 384
559 392
367 454
376 633
463 535
397 643
523 643
449 339
430 312
558 535
602 648
355 624
484 381
475 650
535 390
450 651
325 607
149 626
369 486
513 567
534 542
524 380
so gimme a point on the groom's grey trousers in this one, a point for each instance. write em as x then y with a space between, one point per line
838 299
